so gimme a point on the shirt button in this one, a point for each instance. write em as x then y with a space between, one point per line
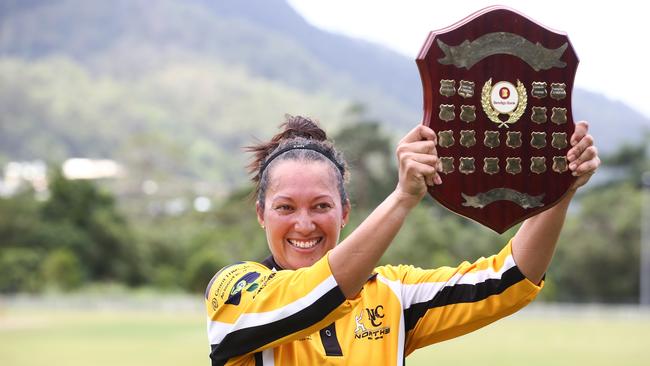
328 333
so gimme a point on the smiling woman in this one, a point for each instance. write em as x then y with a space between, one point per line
316 301
302 213
300 193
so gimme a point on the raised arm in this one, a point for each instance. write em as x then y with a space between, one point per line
534 244
354 258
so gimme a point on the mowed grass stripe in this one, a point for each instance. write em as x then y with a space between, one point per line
103 338
162 338
556 341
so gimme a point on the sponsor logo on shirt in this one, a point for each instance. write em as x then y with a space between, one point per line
369 324
263 281
225 277
247 283
228 284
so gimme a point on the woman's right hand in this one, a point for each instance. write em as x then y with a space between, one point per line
354 259
418 164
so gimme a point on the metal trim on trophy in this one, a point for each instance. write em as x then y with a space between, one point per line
497 92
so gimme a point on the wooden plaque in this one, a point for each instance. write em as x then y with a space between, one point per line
497 92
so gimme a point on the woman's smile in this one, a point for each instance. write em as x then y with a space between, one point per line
304 244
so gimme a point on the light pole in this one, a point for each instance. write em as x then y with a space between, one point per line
644 271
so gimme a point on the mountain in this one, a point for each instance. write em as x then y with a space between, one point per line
124 38
612 123
173 88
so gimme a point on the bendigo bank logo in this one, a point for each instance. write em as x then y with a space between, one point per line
373 317
504 93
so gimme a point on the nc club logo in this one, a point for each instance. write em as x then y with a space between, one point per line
246 280
370 327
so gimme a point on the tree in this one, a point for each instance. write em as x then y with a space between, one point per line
19 270
598 254
62 270
630 162
597 259
369 153
110 251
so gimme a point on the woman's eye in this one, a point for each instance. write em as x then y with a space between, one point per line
323 206
283 208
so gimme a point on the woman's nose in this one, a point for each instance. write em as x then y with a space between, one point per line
304 223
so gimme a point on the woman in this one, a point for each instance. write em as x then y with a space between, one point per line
316 301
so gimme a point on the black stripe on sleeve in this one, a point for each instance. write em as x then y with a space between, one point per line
457 294
215 362
246 340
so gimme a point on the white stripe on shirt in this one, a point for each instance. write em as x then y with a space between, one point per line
421 292
217 330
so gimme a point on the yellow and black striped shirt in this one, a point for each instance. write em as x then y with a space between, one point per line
259 314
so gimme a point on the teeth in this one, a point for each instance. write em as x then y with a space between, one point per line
304 244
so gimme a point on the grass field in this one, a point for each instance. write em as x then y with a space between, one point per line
58 336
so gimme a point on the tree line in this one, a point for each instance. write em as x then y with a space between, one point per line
83 234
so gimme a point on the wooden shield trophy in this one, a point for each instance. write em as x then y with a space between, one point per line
497 92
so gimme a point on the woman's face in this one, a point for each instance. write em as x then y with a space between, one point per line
302 214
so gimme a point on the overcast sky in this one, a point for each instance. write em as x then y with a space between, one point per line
611 38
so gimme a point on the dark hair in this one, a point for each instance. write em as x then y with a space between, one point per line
300 139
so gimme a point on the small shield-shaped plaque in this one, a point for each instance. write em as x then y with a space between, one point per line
467 113
491 165
466 165
468 138
559 116
513 165
559 140
538 164
447 87
558 91
538 140
491 139
447 112
447 163
466 89
446 138
538 115
514 139
539 89
559 164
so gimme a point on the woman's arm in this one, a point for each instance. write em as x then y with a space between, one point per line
353 260
534 244
252 308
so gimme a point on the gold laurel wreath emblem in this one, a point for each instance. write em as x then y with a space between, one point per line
493 115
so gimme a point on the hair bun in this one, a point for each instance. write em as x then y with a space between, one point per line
294 127
298 126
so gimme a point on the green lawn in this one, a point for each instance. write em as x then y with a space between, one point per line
102 338
65 337
547 341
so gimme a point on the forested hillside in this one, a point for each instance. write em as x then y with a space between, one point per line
176 87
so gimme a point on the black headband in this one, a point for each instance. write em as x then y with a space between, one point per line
303 146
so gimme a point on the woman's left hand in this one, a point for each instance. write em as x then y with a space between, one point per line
583 156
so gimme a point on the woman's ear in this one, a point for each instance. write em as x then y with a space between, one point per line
260 213
346 212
